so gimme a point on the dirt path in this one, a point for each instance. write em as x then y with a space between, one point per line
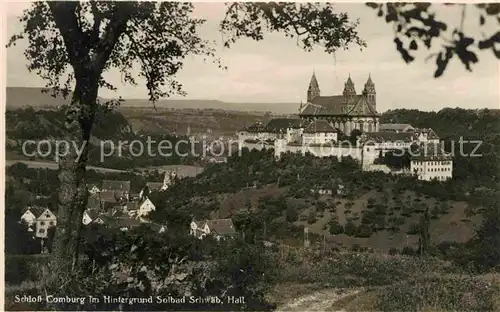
318 301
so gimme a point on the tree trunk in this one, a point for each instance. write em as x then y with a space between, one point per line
73 194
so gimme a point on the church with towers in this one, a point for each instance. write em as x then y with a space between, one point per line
346 112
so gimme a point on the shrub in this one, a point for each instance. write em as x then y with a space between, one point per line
336 228
21 268
393 251
364 230
291 214
350 229
439 294
312 217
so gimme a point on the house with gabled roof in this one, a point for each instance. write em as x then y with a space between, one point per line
89 215
396 127
219 228
319 132
115 191
93 189
289 129
39 220
145 207
427 135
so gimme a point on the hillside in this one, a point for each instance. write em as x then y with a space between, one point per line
22 97
375 210
389 218
219 122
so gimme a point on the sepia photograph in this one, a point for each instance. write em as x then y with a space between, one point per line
251 156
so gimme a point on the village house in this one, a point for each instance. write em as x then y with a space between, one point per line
39 220
145 207
93 189
219 228
89 215
125 222
115 191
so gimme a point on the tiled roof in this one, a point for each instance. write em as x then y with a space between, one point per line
431 135
126 222
222 226
332 106
390 136
256 127
429 152
115 185
314 82
394 127
324 105
37 211
200 224
318 126
361 107
94 202
110 197
280 124
154 186
92 213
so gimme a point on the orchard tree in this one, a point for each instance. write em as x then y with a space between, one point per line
416 26
72 44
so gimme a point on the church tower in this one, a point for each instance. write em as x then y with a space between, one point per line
349 94
370 93
313 90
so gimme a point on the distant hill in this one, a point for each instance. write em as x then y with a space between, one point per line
21 97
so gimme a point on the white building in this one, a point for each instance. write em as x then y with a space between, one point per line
145 207
219 228
319 132
431 162
40 220
89 215
289 129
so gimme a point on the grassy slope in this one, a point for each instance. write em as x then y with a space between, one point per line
453 226
177 121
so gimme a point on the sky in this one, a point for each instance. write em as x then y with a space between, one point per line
277 70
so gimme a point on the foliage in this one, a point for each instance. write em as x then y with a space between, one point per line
291 214
335 228
461 130
21 268
311 218
416 24
142 264
439 293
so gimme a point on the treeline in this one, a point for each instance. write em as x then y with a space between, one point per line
31 124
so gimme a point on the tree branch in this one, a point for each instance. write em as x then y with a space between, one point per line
64 14
115 28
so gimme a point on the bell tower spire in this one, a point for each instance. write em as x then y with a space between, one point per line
370 93
313 90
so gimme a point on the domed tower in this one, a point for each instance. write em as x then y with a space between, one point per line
370 93
313 90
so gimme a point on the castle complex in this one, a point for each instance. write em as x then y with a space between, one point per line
345 112
325 122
